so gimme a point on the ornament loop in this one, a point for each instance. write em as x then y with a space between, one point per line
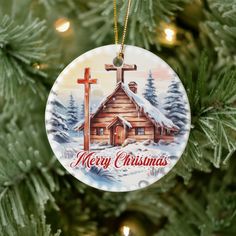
118 61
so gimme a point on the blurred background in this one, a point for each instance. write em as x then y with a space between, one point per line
38 38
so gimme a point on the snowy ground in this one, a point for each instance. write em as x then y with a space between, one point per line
169 148
126 176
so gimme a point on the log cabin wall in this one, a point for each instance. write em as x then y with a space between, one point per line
164 134
120 105
148 133
157 133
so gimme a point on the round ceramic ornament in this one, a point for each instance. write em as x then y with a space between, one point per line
118 128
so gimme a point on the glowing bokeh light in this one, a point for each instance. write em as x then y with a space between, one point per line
62 25
126 230
169 34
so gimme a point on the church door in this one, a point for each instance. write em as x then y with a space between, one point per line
119 135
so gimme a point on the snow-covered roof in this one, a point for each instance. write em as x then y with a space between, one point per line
79 125
127 123
123 121
152 112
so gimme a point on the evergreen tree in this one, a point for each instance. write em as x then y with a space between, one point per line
57 121
174 106
72 112
82 111
150 90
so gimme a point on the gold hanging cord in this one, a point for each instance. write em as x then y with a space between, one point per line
116 33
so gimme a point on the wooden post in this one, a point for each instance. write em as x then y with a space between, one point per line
120 70
86 81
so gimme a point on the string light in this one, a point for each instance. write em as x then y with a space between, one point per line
126 230
36 66
40 66
62 25
170 34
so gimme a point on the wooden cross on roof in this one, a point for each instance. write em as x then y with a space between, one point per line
120 70
86 81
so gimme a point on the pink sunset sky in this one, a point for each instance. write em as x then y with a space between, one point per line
96 60
162 73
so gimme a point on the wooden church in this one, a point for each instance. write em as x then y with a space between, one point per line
125 114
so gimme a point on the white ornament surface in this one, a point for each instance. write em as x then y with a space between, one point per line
173 109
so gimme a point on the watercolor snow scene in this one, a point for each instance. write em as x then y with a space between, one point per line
118 128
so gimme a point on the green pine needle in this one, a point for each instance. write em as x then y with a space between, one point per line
143 23
221 29
26 175
21 46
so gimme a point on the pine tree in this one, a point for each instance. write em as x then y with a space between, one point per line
58 127
175 106
150 90
82 111
72 112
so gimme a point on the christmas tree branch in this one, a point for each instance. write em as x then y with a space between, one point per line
34 226
146 16
220 27
22 48
24 171
207 209
212 98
